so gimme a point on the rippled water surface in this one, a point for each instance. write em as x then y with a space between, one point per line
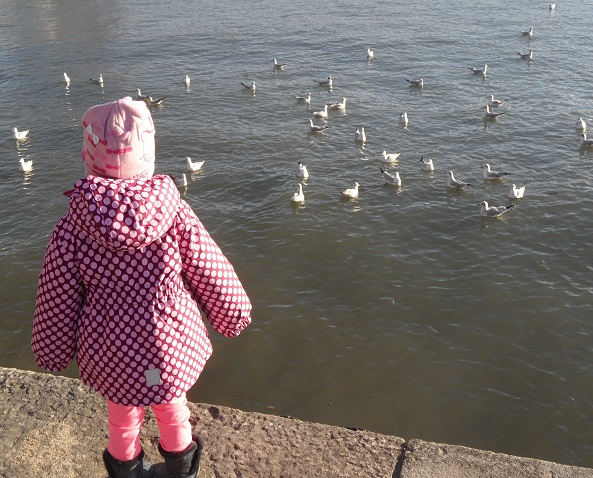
403 312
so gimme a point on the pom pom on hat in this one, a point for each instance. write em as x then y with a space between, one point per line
118 140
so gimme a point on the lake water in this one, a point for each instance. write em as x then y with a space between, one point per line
403 312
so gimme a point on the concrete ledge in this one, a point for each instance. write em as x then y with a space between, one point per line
57 427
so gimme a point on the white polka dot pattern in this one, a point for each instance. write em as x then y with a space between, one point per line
120 285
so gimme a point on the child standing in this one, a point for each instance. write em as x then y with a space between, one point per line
125 275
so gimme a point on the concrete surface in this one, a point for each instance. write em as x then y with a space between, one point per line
53 426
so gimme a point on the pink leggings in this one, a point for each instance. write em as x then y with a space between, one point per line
125 423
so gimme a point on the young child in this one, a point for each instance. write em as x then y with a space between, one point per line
125 275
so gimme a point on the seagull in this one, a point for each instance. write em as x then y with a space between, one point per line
338 106
391 179
586 143
301 170
193 167
304 99
389 158
181 183
140 96
66 79
18 135
249 87
496 103
370 54
316 129
360 135
492 175
98 81
186 80
479 70
419 82
351 193
426 164
493 211
581 124
526 56
491 114
298 196
552 6
152 102
26 166
455 184
321 114
403 118
278 66
329 82
517 192
528 33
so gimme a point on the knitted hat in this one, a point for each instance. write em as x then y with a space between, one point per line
118 140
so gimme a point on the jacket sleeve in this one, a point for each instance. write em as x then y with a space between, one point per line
60 296
211 277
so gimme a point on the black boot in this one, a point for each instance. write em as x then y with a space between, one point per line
186 463
134 468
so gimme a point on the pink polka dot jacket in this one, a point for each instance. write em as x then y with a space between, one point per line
125 275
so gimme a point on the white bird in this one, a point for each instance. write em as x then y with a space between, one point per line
304 99
150 101
298 196
249 87
18 135
552 6
181 183
66 79
493 175
278 66
389 158
528 33
489 114
351 193
581 125
455 184
25 166
321 114
419 82
370 54
98 81
426 164
360 135
496 103
493 211
403 118
301 170
338 106
391 179
140 96
187 80
316 129
329 82
517 192
193 166
483 71
526 56
586 143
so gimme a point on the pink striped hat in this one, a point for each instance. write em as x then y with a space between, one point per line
118 140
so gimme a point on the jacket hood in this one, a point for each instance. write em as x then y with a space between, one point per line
124 214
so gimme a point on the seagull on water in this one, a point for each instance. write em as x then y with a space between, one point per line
480 70
25 166
552 6
403 118
419 82
321 114
581 125
517 192
150 101
249 87
526 56
391 179
360 135
329 82
489 114
278 66
298 196
455 184
528 33
426 164
586 143
66 79
301 170
191 166
338 106
351 193
181 183
140 96
316 129
18 135
493 211
186 80
370 54
492 175
304 99
496 103
98 81
389 157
